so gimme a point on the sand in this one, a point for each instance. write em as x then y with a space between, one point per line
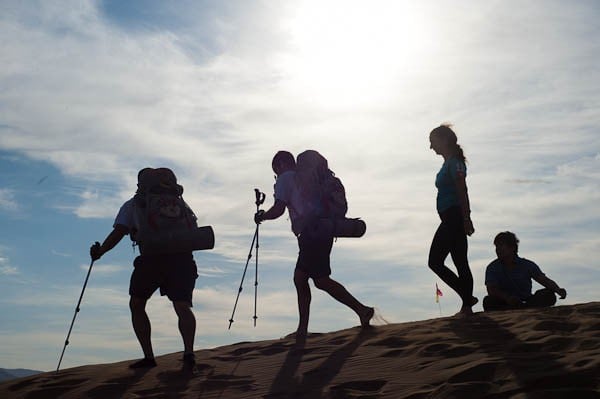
549 353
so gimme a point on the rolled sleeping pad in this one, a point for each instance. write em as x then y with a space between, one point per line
349 227
346 227
166 242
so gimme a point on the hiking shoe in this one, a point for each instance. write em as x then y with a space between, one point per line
145 363
189 360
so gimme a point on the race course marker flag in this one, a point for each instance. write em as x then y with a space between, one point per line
438 294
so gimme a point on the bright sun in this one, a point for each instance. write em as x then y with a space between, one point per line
352 51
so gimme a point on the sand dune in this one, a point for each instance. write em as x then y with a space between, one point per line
550 353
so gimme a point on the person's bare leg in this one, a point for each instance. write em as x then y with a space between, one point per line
142 329
341 294
304 298
187 324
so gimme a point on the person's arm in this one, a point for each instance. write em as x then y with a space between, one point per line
274 212
113 238
551 285
495 291
463 197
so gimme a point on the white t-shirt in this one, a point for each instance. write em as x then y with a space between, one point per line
287 192
125 215
126 218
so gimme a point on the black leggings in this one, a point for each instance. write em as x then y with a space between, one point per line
450 238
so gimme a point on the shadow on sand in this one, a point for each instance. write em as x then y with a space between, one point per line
539 374
311 383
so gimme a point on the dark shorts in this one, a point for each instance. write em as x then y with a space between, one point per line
174 274
313 255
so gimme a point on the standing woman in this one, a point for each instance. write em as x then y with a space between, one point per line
455 214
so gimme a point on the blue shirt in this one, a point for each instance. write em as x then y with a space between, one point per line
445 181
516 282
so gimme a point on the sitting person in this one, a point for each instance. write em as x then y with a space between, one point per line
508 279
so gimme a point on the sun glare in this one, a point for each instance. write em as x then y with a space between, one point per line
345 52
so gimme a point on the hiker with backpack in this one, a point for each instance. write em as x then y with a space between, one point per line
314 198
156 211
455 213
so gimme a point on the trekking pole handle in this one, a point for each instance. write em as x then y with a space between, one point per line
260 197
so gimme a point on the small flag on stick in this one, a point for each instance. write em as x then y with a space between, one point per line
438 293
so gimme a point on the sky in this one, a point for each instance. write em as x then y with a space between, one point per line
93 91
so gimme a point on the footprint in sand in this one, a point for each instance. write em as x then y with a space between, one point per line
357 389
391 342
55 389
481 372
274 349
550 325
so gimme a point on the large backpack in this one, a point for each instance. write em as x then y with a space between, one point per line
163 222
313 175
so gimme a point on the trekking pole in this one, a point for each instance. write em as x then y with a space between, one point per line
259 200
75 315
242 282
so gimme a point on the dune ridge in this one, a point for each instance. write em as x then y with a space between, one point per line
548 353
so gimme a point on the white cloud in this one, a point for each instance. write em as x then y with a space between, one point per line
211 271
586 168
104 269
61 254
7 200
6 268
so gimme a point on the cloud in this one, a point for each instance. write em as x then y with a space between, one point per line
585 169
6 268
7 200
216 112
233 109
106 269
213 271
226 114
61 254
528 181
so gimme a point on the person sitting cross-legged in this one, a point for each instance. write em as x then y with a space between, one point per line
508 279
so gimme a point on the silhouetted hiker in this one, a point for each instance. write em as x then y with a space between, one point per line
298 191
174 273
455 214
508 279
